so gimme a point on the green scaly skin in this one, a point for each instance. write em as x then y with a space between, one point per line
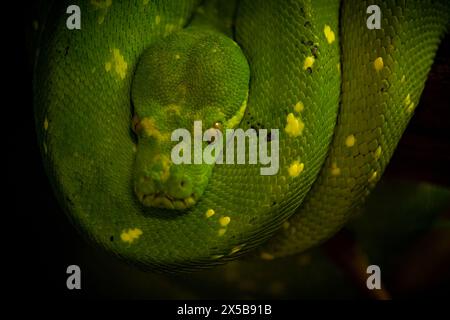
332 151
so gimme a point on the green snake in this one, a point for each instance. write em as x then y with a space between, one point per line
108 96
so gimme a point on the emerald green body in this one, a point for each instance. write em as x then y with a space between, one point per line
314 74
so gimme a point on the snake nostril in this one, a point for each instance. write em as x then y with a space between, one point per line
179 186
184 183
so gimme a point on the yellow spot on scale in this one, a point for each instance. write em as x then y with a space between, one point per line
174 109
296 168
177 56
118 62
217 256
157 19
403 79
209 213
236 249
299 107
407 100
221 231
377 153
267 256
224 221
164 162
373 176
350 141
294 126
338 66
308 63
329 34
146 2
169 28
149 127
408 104
45 124
410 107
286 225
236 119
165 173
130 235
378 64
189 201
335 171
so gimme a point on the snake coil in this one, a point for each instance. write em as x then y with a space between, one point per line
340 94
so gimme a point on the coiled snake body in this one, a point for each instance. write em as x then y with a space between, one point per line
340 94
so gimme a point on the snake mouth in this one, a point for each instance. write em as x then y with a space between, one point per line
165 201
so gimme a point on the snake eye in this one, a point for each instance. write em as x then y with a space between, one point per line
136 124
218 125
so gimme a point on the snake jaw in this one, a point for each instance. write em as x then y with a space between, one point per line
160 184
165 201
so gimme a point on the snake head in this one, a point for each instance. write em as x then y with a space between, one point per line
193 75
